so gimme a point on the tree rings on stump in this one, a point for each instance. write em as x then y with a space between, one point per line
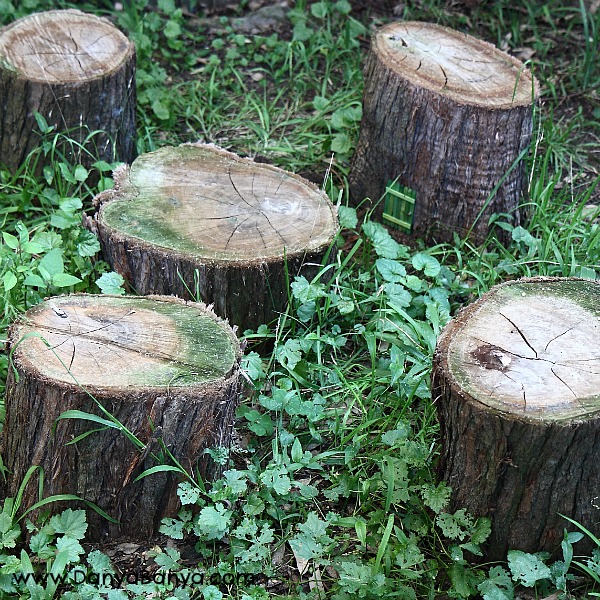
166 370
447 120
197 220
77 71
516 380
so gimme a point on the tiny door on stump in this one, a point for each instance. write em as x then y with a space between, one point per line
449 118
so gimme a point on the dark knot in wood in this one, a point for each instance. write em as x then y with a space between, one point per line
491 357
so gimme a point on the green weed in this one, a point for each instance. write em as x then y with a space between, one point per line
330 491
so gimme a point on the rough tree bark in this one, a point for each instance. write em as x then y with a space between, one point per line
78 72
450 118
516 381
167 370
196 219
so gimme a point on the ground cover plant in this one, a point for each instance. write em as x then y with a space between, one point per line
330 489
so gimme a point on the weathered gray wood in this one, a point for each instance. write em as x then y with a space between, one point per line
167 370
78 71
449 117
516 382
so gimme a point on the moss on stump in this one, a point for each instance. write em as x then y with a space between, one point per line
166 370
197 221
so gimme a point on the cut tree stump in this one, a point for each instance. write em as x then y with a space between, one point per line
197 220
447 120
516 381
78 72
167 370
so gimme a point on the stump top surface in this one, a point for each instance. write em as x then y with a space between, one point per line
205 202
63 46
124 342
530 348
455 65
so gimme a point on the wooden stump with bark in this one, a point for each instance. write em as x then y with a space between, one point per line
196 220
516 381
162 369
447 120
77 71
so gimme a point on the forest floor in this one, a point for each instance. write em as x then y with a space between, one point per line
331 488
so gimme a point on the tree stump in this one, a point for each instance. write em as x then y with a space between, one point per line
447 120
197 221
167 370
516 380
78 72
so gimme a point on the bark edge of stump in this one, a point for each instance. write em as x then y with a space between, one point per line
144 360
271 225
82 93
518 403
438 139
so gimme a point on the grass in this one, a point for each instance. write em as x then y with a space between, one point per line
330 491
